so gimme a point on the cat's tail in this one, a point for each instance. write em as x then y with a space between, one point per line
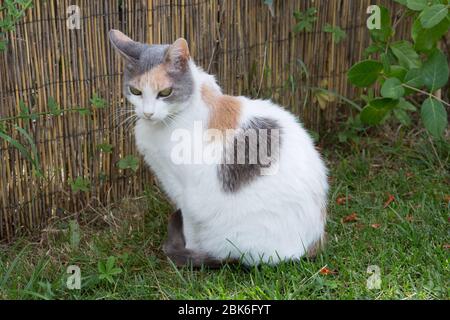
175 247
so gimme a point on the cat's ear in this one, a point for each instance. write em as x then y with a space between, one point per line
178 54
130 50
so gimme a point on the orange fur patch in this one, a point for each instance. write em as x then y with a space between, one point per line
157 78
225 109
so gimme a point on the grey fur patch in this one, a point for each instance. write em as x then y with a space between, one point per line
244 164
175 247
153 56
141 58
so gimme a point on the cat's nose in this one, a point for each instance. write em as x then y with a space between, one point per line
148 115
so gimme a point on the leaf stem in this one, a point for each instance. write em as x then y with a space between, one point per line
426 93
27 116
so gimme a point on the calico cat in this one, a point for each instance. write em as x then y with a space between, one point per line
234 209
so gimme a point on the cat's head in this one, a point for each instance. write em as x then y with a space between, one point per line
157 78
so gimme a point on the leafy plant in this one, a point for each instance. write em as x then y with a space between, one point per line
97 101
10 124
80 184
337 33
129 162
13 10
31 155
108 270
105 147
305 20
406 68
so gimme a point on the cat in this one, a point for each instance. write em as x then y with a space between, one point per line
250 212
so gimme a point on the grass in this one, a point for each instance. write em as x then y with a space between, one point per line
118 248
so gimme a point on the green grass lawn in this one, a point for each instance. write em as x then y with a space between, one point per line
407 238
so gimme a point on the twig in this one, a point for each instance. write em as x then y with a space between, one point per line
262 72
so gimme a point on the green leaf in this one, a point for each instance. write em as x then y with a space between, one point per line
337 33
435 71
84 111
97 101
417 5
386 31
305 20
386 63
365 73
397 72
16 144
433 15
101 268
105 147
54 107
414 78
426 39
405 54
129 162
377 110
406 105
392 88
115 271
434 117
80 184
403 117
3 45
372 49
110 263
24 112
35 161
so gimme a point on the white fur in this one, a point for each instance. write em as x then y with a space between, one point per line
274 218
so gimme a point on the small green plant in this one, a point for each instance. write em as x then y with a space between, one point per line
13 11
128 162
305 20
105 147
80 184
97 101
11 125
337 33
108 270
403 69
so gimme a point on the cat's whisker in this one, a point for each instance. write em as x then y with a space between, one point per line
118 113
131 123
124 121
178 116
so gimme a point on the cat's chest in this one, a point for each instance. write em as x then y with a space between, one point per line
152 144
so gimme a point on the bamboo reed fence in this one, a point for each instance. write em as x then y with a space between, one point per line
250 50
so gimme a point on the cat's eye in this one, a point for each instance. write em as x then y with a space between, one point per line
135 91
165 93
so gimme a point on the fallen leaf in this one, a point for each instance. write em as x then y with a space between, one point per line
351 218
375 225
409 174
325 271
409 218
342 200
446 246
390 199
447 198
